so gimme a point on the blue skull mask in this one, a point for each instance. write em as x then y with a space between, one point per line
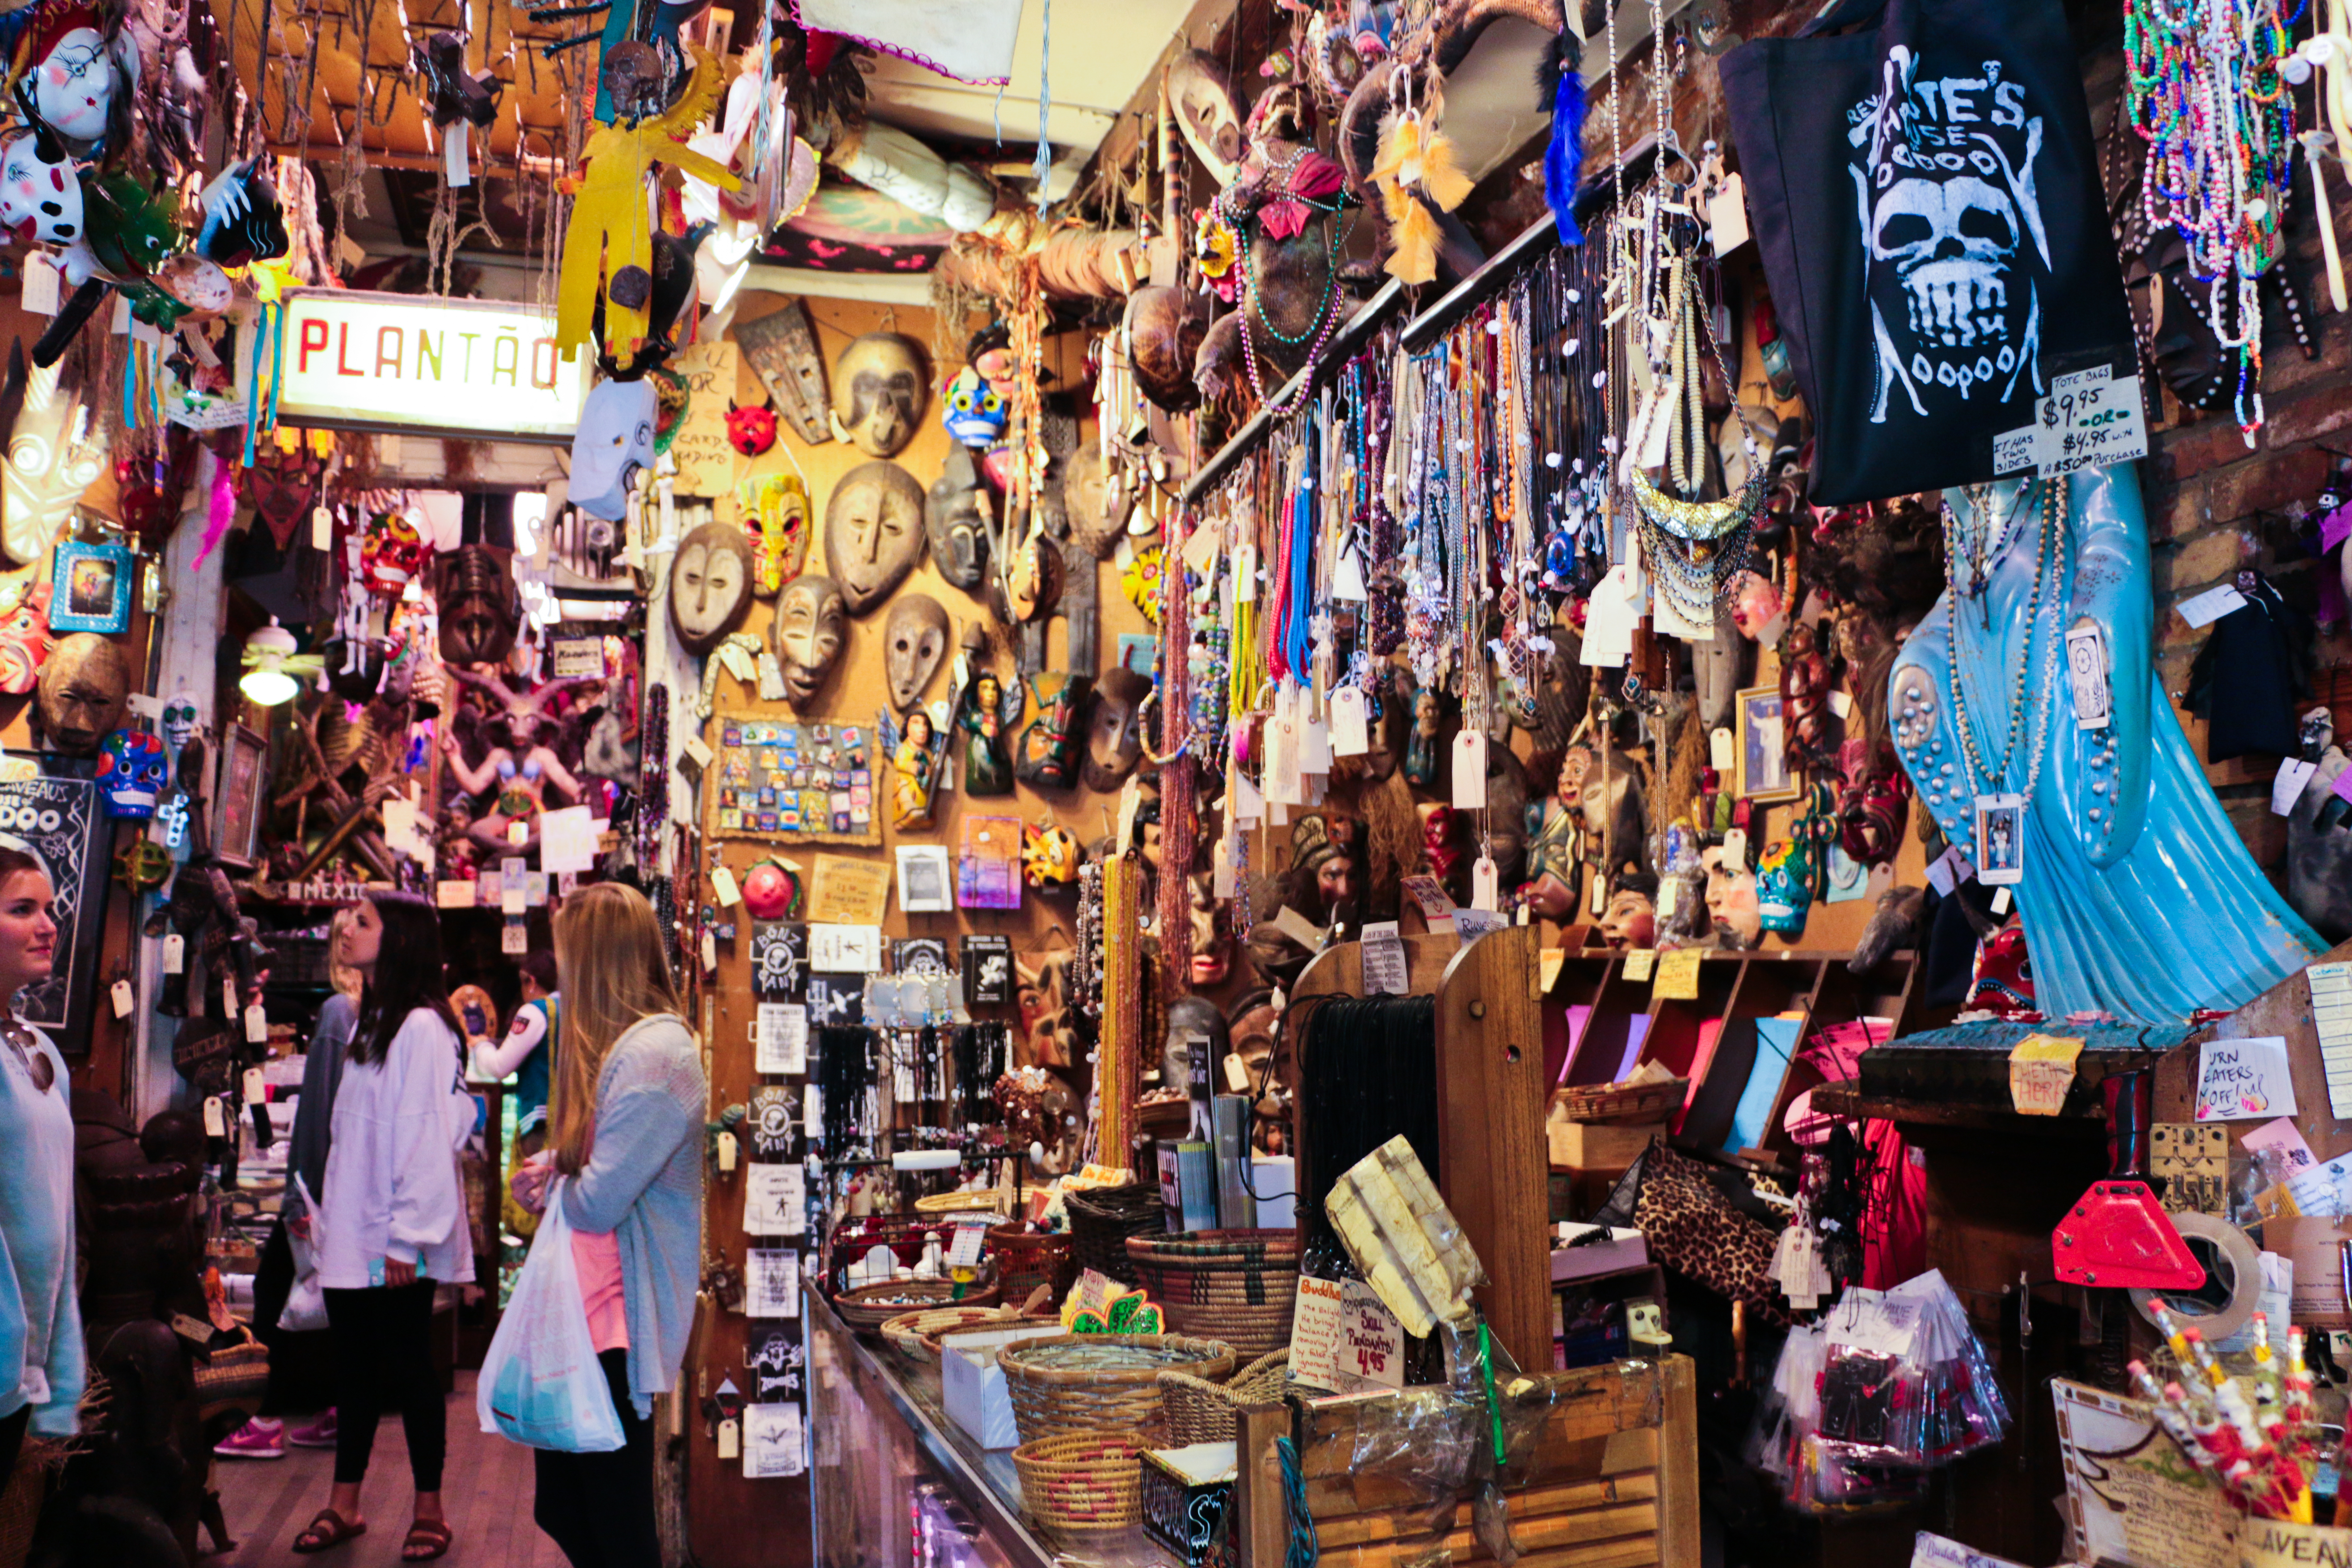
974 412
131 769
1784 888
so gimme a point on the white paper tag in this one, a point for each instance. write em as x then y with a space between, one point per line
696 752
456 154
1485 885
1999 901
44 289
1350 735
1722 751
1735 851
731 1445
257 1024
1469 770
2287 788
1386 972
175 953
726 1149
256 1087
322 529
229 995
2210 606
215 1119
1347 579
1727 215
723 887
709 951
1313 747
120 993
1244 574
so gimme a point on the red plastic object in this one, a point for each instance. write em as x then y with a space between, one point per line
2117 1234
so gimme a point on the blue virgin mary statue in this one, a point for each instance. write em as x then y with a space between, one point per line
2138 897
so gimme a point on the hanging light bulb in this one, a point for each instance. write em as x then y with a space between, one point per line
266 653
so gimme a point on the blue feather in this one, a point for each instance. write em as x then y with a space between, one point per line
1564 159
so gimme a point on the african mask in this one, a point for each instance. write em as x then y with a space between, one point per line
40 195
1213 935
1114 733
974 413
1165 328
616 439
1097 508
131 771
84 688
914 640
1192 1020
710 585
811 625
955 521
878 392
873 532
73 85
481 610
1201 95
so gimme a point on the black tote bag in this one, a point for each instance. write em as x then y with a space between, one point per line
1925 195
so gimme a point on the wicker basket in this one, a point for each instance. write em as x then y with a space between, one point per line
1027 1258
1081 1487
1611 1102
1101 1221
1238 1285
868 1306
1198 1411
911 1334
1087 1383
988 1200
232 1376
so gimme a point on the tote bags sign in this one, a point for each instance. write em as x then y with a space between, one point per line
1927 201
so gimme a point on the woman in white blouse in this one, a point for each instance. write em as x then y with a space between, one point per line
393 1214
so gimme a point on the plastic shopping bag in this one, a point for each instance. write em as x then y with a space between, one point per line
540 1383
305 1304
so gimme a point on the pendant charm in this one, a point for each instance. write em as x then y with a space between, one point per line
2001 839
2086 671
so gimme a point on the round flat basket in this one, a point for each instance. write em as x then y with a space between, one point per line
1198 1411
868 1306
1083 1486
1092 1382
911 1334
1240 1285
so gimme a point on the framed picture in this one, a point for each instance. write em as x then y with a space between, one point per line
1764 773
90 588
244 774
59 822
924 886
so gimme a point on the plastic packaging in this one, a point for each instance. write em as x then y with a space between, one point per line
540 1386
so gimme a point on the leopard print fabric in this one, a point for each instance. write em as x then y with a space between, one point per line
1692 1229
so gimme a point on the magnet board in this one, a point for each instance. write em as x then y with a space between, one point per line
793 783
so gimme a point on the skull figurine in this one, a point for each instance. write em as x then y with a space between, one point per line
179 722
974 414
41 194
392 553
130 771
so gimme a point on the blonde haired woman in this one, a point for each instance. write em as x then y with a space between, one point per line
629 1103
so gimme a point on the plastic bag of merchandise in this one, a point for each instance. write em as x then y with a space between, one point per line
540 1385
1962 1406
1789 1411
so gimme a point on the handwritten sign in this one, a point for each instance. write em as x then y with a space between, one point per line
707 464
2090 419
1678 975
1342 1339
1940 1552
2277 1544
2041 1071
2245 1080
848 893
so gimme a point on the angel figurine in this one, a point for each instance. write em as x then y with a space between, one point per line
990 711
917 757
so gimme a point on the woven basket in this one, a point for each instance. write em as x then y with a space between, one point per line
1198 1411
911 1333
233 1377
1087 1383
1102 1220
1082 1487
988 1200
1610 1102
1238 1285
868 1306
1027 1258
38 1464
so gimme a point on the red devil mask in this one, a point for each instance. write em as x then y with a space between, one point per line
751 430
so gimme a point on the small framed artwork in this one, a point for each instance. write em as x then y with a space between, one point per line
1764 775
2001 839
924 885
244 773
988 863
89 590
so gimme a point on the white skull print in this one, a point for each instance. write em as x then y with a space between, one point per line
1952 235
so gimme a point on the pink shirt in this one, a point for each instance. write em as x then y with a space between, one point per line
596 1256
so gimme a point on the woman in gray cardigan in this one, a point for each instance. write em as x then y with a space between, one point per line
629 1103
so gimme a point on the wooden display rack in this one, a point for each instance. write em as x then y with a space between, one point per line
1735 989
1491 1086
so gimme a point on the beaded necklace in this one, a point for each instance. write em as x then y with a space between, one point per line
2028 690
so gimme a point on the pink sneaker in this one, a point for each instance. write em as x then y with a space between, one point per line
319 1434
254 1440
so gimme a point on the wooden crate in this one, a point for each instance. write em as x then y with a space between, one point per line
1611 1481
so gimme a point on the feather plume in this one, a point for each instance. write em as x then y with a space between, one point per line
1412 257
1400 161
1441 176
1564 157
220 514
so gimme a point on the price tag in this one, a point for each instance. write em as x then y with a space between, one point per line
1350 734
2210 606
1347 579
727 1147
1386 972
709 951
1485 885
738 662
1237 1079
2287 788
697 752
1639 963
1735 851
1245 575
1678 978
730 1439
256 1090
257 1024
175 953
43 290
215 1121
322 529
723 887
229 995
120 992
2090 419
1469 770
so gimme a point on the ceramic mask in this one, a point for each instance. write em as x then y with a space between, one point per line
710 585
616 439
1755 603
73 87
179 723
482 613
873 532
84 688
130 771
974 414
24 636
811 623
1631 918
1049 855
1115 733
1731 903
40 198
914 640
954 522
1213 947
878 392
752 431
392 552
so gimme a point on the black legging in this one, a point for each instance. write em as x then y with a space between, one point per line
12 1443
599 1508
385 1335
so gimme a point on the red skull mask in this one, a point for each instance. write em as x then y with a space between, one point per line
392 553
751 430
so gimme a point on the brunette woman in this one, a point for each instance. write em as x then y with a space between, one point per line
393 1212
630 1099
40 1327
